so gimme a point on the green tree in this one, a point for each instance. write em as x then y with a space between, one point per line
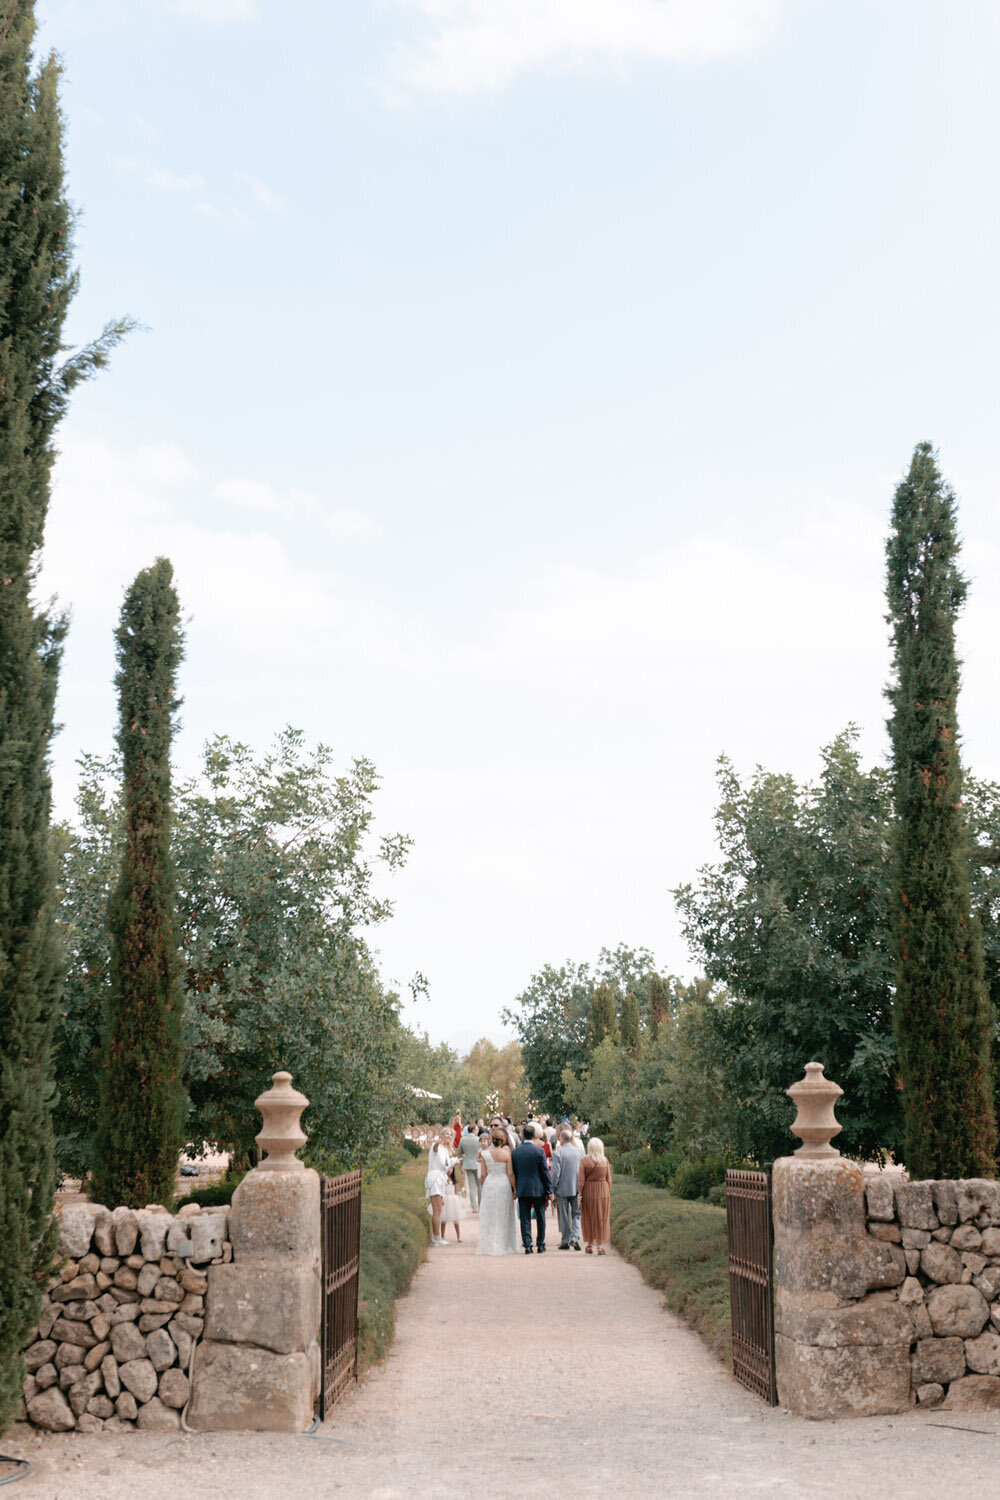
499 1072
603 1021
143 1112
943 1020
793 921
629 1023
37 283
276 862
658 993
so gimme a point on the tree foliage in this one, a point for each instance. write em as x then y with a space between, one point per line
142 1110
37 283
277 883
552 1014
628 1026
793 921
942 1012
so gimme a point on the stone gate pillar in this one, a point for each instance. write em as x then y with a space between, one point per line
835 1354
258 1367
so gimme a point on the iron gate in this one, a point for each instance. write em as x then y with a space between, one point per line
750 1233
341 1235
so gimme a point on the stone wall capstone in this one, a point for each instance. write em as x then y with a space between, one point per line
122 1314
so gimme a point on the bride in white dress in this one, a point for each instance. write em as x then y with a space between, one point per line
497 1217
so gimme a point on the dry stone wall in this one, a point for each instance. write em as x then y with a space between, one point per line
949 1236
121 1317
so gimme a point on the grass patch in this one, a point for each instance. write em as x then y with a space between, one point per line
680 1248
395 1230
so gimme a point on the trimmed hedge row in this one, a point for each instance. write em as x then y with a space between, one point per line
395 1231
680 1248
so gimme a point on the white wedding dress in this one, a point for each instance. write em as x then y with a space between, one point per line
497 1215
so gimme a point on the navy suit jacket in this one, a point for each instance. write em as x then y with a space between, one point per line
531 1171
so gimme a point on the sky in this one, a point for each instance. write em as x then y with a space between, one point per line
520 396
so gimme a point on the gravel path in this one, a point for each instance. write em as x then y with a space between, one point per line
547 1376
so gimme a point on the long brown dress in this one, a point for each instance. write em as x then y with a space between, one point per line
595 1199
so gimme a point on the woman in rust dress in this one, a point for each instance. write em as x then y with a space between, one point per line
595 1197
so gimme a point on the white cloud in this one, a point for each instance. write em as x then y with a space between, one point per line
467 46
261 195
175 182
258 495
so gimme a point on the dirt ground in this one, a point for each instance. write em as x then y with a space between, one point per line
547 1376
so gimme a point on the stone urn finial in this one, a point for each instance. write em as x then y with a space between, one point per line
282 1135
814 1124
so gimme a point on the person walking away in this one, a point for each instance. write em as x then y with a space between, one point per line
566 1186
439 1162
595 1197
497 1216
533 1187
456 1129
468 1150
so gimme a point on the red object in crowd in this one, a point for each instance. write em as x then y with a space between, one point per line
457 1123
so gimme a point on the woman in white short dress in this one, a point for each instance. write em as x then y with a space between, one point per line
497 1217
439 1160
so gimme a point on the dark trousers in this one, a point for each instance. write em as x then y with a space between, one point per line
524 1208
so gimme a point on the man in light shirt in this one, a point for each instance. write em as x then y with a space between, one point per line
565 1184
468 1150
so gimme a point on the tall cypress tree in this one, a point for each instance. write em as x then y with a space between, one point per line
942 1013
602 1016
629 1023
142 1103
36 285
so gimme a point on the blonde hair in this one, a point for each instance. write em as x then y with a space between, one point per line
596 1148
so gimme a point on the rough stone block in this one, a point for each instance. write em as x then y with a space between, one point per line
174 1388
80 1312
147 1279
149 1322
161 1349
93 1357
109 1374
937 1361
127 1343
128 1312
957 1311
921 1322
915 1205
45 1376
274 1306
126 1230
80 1289
982 1354
889 1232
879 1197
966 1237
82 1390
51 1410
973 1393
876 1320
76 1229
70 1375
977 1195
104 1231
90 1265
199 1239
855 1382
275 1215
65 1332
100 1406
139 1377
39 1354
153 1228
930 1395
242 1389
68 1354
155 1417
915 1239
942 1264
974 1263
126 1406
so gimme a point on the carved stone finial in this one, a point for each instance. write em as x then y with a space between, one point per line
815 1124
282 1135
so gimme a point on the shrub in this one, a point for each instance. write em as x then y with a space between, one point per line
680 1248
695 1179
411 1147
629 1163
215 1194
395 1229
658 1170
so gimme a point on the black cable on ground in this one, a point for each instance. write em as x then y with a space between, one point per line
22 1471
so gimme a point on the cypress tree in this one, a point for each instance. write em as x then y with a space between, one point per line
942 1015
36 285
658 992
629 1023
602 1015
142 1109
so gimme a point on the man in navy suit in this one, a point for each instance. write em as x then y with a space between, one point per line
534 1188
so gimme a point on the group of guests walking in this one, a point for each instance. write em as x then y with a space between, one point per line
512 1178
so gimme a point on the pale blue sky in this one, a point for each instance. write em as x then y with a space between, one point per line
524 390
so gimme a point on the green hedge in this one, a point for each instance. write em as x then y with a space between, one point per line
680 1248
395 1230
214 1195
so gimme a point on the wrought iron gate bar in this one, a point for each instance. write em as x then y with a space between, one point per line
340 1199
750 1236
